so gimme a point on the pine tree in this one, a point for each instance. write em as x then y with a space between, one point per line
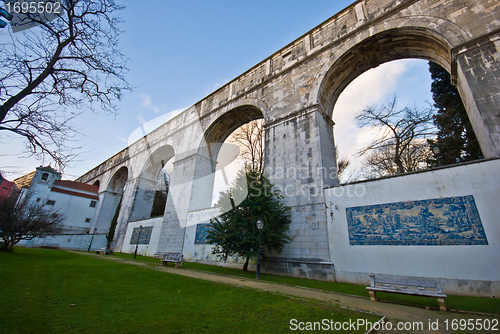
235 230
456 138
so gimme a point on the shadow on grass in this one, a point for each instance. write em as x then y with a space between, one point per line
459 303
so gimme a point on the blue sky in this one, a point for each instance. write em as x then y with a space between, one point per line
180 51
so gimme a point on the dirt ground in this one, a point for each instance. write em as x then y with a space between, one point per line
408 316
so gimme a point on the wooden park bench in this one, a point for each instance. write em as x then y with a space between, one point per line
49 247
416 286
101 251
170 257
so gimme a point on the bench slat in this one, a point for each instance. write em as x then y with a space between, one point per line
410 281
171 257
408 292
400 284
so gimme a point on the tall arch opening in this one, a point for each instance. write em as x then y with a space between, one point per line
226 124
229 153
153 185
407 45
405 82
384 47
109 205
218 160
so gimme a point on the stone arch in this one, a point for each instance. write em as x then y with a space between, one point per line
109 199
118 180
225 124
152 184
97 183
198 169
386 46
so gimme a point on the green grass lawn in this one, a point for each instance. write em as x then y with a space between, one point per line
53 291
475 304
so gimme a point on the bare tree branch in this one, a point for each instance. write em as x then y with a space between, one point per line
400 145
250 138
25 219
70 62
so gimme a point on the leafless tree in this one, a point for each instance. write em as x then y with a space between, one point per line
342 163
25 219
380 162
250 138
51 73
399 145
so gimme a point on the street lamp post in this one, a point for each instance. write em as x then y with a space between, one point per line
437 152
137 242
260 226
90 245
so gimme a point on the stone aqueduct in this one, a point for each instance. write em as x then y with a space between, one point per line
294 91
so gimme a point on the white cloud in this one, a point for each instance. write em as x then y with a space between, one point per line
374 87
146 100
147 103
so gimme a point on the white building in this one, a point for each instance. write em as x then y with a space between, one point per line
77 202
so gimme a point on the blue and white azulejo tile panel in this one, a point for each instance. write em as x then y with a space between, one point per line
439 221
201 234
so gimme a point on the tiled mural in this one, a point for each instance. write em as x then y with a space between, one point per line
145 235
439 221
201 234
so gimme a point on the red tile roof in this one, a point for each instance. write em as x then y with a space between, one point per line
77 186
74 193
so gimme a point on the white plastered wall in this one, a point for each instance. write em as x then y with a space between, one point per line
149 249
461 269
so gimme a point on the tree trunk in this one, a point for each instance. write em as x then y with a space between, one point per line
245 266
401 169
397 158
7 246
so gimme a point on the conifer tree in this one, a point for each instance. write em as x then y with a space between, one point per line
456 138
235 231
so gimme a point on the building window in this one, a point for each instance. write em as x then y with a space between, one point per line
50 202
87 220
45 176
93 204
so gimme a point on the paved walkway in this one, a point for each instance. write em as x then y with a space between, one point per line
393 312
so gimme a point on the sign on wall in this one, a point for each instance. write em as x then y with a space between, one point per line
145 235
439 221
